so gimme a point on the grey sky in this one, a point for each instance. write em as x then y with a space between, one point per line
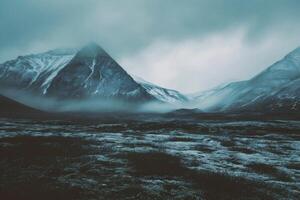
187 45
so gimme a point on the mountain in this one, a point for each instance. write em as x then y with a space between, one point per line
162 94
201 96
92 73
286 100
70 74
274 89
34 72
9 107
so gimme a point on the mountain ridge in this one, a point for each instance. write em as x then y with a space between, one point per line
254 94
72 74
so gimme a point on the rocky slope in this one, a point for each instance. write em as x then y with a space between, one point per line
11 107
69 74
274 89
88 73
162 94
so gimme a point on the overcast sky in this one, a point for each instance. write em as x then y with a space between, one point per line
188 45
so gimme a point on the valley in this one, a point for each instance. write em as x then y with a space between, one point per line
149 159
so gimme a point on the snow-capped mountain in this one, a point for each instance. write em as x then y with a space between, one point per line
268 91
162 94
287 99
92 73
87 73
202 95
68 74
34 72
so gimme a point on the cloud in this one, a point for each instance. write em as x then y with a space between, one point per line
200 63
127 28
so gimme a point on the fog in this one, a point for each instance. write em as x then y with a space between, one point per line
86 105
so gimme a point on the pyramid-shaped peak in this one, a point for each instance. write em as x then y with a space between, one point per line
92 49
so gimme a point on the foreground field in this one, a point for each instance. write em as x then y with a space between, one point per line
149 159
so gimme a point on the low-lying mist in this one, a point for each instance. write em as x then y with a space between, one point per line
93 105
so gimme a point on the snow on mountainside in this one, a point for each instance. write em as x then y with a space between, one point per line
92 73
286 99
202 95
34 71
254 93
79 74
162 94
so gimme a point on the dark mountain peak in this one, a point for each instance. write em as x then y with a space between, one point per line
92 50
92 73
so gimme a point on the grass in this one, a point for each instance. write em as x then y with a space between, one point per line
27 151
204 149
30 147
263 168
36 189
227 143
58 168
295 166
181 139
242 150
155 164
50 159
211 184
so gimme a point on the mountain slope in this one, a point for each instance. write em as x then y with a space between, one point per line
11 107
162 94
268 86
93 73
34 72
286 100
65 74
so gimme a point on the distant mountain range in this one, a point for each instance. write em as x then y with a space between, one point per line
162 94
91 73
276 89
87 73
